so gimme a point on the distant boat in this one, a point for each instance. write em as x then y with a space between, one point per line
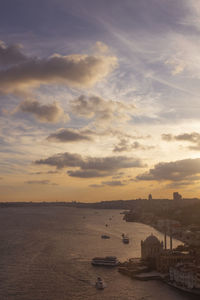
125 239
106 225
100 285
104 236
109 261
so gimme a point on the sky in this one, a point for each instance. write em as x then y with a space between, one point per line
99 100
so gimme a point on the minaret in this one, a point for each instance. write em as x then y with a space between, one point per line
165 237
165 240
171 248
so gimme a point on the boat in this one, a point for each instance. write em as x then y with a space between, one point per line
104 236
125 239
110 261
99 284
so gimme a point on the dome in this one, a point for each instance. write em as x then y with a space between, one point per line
152 239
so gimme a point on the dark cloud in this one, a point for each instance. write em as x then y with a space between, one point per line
180 170
100 109
113 183
90 166
50 113
79 70
70 135
125 145
10 55
193 137
87 173
62 160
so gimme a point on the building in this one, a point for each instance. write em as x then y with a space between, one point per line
151 247
185 275
170 258
150 197
159 257
177 196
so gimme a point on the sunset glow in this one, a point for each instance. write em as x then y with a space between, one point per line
99 100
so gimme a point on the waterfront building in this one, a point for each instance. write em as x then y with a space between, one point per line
170 258
177 196
186 275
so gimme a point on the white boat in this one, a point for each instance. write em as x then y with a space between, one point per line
100 285
110 261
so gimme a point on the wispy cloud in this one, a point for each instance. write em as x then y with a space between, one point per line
193 137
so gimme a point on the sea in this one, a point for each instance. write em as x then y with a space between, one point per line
46 252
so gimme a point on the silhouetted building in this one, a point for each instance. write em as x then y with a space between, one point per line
151 247
169 259
177 196
150 197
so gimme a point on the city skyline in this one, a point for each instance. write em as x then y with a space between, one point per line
99 101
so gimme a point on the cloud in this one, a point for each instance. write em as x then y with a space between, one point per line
71 70
186 169
11 55
179 184
90 166
44 182
109 183
48 172
177 65
96 185
118 175
113 183
50 113
70 135
167 137
97 108
87 173
193 137
126 145
62 160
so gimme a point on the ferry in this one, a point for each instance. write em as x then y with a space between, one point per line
125 239
110 261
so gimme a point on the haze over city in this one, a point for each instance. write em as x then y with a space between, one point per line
99 100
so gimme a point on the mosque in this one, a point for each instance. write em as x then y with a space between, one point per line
158 256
